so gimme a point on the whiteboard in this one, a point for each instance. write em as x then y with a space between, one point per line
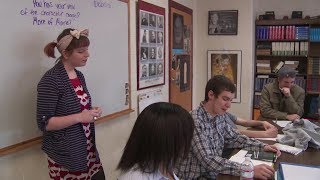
28 25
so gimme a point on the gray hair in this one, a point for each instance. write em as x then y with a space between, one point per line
286 71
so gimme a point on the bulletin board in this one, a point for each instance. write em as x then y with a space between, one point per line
180 54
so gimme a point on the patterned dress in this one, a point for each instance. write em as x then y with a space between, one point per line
58 172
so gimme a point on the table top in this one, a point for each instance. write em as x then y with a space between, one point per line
309 157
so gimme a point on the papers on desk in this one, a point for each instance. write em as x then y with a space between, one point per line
240 156
272 139
290 171
282 123
288 149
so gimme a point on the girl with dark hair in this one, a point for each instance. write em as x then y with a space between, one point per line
64 112
161 135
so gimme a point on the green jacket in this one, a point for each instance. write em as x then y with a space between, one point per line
274 104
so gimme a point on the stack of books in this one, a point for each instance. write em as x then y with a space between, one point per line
263 66
263 49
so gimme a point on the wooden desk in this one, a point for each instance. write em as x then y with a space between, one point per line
309 157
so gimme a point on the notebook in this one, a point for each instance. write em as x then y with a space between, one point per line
288 149
291 171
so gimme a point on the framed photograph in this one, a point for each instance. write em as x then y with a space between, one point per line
150 45
223 22
227 63
177 31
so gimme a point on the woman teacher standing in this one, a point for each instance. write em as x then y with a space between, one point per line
64 111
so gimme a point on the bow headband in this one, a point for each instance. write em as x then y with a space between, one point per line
66 40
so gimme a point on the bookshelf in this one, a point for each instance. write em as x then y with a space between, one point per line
294 43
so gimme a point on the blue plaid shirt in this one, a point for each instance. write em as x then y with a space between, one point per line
212 134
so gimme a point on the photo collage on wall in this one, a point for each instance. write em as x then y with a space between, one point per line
151 49
181 52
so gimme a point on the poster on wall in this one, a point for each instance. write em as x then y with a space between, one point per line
150 51
183 72
227 63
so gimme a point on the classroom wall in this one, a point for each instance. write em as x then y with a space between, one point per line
243 41
31 164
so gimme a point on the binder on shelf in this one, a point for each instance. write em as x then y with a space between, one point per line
281 49
292 48
273 48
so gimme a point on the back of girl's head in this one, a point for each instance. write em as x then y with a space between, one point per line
83 41
162 133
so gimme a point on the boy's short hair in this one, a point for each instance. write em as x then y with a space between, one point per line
217 84
286 71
